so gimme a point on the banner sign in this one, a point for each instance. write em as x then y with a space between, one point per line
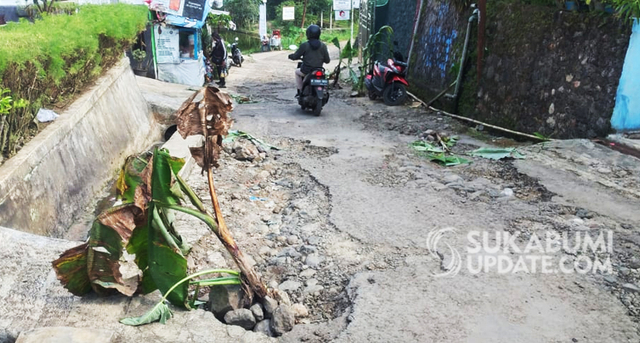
193 9
288 13
342 5
167 6
356 4
342 15
262 23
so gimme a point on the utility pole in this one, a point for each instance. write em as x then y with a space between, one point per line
304 13
331 18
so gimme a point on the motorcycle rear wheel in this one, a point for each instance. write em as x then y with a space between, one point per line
318 108
395 94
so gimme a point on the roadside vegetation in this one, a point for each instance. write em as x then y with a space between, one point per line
44 63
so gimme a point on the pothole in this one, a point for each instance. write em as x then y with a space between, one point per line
279 216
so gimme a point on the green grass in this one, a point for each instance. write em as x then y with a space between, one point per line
56 37
47 62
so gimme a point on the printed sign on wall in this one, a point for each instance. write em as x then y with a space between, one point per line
288 13
342 5
342 15
167 45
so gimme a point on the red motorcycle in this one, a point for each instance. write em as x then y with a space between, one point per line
388 81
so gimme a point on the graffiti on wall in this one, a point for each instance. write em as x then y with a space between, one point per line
434 46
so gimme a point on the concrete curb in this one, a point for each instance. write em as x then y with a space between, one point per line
62 169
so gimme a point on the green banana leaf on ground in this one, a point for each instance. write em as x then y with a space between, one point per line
497 153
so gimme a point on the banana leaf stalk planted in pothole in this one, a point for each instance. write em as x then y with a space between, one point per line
205 113
151 190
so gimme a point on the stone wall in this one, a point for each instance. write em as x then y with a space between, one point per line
56 175
400 15
545 70
549 71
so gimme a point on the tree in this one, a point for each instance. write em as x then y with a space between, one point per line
244 12
313 10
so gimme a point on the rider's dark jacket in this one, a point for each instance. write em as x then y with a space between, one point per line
314 53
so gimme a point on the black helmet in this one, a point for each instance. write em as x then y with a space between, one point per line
313 32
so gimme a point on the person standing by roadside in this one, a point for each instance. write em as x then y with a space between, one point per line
219 58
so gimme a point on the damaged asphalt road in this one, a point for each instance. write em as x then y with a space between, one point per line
357 229
366 203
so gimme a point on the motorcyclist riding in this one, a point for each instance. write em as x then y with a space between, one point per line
313 53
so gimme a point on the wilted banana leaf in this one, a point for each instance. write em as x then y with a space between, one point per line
101 255
497 153
140 228
131 176
109 235
166 261
71 269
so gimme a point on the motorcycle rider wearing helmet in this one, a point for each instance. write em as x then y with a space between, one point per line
313 53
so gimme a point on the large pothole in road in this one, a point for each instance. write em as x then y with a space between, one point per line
279 215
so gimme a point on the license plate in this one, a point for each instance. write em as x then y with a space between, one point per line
319 82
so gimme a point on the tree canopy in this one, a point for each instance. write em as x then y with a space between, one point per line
244 12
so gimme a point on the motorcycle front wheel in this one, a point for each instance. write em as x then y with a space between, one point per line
395 94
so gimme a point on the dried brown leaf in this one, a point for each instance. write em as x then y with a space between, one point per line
122 220
198 155
211 103
206 113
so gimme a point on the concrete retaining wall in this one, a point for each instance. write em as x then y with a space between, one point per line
61 170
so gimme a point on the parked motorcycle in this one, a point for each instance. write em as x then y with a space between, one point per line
314 93
388 81
236 54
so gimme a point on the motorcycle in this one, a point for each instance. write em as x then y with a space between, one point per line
236 54
388 81
314 94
